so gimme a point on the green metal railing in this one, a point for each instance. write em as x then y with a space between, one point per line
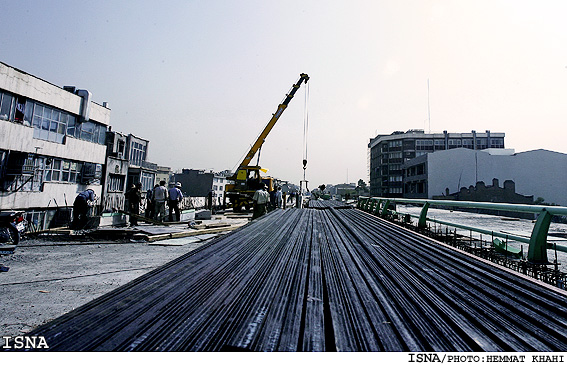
538 245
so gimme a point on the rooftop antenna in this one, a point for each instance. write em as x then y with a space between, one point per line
428 109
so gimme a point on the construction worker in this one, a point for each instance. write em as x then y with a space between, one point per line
81 208
134 196
150 203
175 196
160 196
261 199
279 198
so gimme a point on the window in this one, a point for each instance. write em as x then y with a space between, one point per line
91 173
115 183
49 124
62 170
496 143
28 112
6 101
71 126
424 145
481 143
396 167
53 124
137 154
87 131
147 180
65 171
56 174
468 143
121 145
455 143
395 155
102 134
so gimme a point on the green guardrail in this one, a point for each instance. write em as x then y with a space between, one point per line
538 245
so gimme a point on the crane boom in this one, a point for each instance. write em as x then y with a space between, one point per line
247 178
262 137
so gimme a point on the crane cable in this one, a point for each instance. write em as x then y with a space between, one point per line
305 128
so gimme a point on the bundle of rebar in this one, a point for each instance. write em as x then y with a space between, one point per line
320 280
325 204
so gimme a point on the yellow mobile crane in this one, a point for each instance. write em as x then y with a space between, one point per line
247 178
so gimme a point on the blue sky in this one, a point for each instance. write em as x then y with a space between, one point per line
200 79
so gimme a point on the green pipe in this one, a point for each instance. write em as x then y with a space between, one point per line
537 252
423 216
377 210
560 247
522 208
385 208
372 206
479 230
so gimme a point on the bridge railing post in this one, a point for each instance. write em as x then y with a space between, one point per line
377 208
422 223
372 205
537 251
385 208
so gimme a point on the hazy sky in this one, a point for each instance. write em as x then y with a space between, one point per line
200 79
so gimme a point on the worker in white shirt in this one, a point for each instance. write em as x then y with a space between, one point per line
160 196
261 199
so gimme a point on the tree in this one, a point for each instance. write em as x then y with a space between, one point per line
361 187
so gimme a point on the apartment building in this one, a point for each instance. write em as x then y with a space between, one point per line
388 155
52 145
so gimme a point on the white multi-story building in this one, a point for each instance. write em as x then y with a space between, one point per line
52 145
388 153
538 173
219 186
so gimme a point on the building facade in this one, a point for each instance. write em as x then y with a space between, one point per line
140 170
52 145
163 173
202 184
115 172
538 173
389 155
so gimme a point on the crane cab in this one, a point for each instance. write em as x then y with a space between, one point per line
246 181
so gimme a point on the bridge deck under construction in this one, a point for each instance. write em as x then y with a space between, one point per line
320 280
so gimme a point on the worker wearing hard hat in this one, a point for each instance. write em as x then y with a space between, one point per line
175 196
261 199
81 208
